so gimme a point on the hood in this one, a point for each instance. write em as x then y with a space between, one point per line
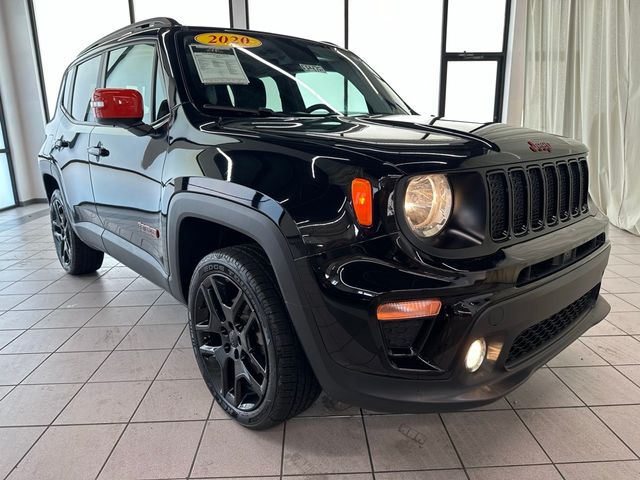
411 143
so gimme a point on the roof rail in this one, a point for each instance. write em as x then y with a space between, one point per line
141 26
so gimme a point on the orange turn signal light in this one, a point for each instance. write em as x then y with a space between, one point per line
362 199
408 309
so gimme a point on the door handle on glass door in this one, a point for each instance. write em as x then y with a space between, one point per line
98 151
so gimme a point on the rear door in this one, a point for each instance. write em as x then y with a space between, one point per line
69 149
127 176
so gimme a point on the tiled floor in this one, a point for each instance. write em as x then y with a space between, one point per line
97 380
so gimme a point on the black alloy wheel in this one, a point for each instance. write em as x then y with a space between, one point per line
231 342
61 233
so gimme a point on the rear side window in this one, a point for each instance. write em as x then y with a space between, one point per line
66 93
132 67
84 85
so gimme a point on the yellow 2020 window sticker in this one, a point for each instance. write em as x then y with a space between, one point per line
221 39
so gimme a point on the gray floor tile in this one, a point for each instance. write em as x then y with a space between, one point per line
131 365
21 319
627 321
325 445
117 316
530 472
4 390
43 301
121 272
618 305
9 301
166 299
175 400
39 341
632 372
576 355
159 314
95 338
35 404
67 368
89 299
70 284
601 471
345 476
110 402
141 283
574 435
424 475
409 442
325 406
103 284
624 421
7 336
616 350
600 385
135 298
23 287
181 365
143 337
492 438
620 285
242 453
14 443
543 389
603 328
185 339
632 298
155 450
72 317
69 452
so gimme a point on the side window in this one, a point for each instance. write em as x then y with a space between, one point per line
132 67
66 93
331 87
274 102
85 83
161 103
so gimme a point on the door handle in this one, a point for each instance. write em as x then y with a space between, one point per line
98 151
61 143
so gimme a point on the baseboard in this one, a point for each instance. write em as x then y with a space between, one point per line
32 201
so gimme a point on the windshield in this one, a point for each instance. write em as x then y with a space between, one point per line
275 75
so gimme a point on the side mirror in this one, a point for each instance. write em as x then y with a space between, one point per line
120 107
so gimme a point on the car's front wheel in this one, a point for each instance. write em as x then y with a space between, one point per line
244 342
75 256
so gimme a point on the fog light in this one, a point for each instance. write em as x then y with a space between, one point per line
475 355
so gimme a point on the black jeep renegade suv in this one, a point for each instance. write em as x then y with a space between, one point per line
322 234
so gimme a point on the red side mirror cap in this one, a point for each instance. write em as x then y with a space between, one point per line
111 104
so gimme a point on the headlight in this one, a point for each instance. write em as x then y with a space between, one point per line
427 204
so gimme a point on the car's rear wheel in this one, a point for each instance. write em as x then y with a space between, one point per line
244 342
75 256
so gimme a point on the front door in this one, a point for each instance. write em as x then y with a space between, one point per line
126 168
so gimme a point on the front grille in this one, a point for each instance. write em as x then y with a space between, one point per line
543 333
525 200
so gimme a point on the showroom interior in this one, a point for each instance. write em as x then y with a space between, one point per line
98 378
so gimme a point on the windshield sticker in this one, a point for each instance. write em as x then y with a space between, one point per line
219 39
312 68
218 65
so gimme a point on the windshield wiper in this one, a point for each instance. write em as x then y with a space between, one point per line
249 112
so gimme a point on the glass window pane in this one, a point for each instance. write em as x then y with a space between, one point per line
6 189
65 27
401 40
471 90
475 26
86 82
274 100
161 102
212 13
331 87
2 144
132 67
321 20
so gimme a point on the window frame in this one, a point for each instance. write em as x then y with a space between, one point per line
6 149
499 57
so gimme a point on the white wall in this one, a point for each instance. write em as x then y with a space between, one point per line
21 98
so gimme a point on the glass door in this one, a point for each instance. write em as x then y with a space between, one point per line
7 187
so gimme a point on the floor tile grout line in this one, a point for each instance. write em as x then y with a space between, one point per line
67 404
599 419
368 445
453 445
204 429
133 414
284 439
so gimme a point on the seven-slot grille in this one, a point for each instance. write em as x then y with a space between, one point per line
530 199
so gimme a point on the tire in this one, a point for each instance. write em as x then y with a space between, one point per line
244 341
75 256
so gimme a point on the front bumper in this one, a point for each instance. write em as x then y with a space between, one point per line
354 366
